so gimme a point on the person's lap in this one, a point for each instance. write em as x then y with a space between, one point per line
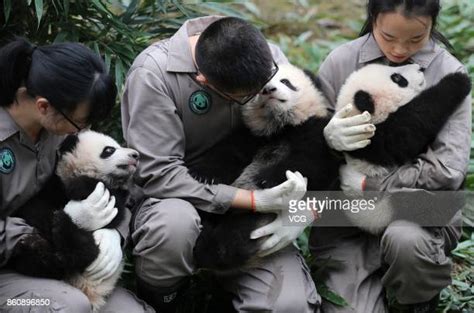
164 233
49 295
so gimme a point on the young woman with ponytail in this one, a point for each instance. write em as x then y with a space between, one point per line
47 92
408 262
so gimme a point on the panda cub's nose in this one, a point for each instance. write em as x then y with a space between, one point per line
134 155
268 90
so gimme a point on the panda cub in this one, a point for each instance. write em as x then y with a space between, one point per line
287 120
408 118
60 249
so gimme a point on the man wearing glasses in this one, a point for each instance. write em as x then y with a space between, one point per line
182 96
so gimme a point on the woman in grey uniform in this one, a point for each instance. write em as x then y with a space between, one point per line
45 93
408 261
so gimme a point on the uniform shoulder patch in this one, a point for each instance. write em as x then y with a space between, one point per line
7 161
200 102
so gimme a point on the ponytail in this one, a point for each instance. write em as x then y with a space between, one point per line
15 63
67 74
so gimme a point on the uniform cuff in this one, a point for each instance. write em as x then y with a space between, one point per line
12 229
372 183
224 196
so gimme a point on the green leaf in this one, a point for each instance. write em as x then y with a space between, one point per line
330 295
61 37
223 9
252 8
95 45
100 5
132 8
108 60
461 285
66 7
39 10
7 7
119 73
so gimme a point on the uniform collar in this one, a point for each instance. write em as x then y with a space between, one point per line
370 51
8 127
179 54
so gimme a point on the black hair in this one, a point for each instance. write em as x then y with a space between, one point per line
234 56
67 74
408 8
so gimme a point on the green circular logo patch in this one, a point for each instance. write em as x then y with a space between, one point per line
200 102
7 161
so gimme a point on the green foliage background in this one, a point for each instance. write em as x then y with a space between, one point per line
306 30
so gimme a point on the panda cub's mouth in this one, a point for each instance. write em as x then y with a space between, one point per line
131 165
271 100
278 99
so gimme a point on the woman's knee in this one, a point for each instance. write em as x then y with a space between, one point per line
75 301
404 241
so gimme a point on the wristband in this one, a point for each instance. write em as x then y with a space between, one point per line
364 183
315 214
252 202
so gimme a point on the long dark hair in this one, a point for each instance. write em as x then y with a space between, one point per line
66 74
408 8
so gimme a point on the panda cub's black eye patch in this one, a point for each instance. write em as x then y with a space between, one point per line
399 80
107 152
288 84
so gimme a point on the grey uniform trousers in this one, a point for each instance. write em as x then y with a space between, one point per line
164 233
409 261
62 297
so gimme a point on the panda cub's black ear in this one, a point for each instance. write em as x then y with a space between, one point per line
363 101
69 144
315 79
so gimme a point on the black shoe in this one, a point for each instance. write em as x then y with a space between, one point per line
425 307
163 300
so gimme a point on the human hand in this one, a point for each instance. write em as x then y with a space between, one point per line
94 212
344 133
277 198
280 235
110 255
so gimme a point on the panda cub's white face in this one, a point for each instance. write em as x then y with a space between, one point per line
290 98
98 156
388 88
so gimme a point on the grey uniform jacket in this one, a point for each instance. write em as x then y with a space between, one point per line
24 168
444 165
171 120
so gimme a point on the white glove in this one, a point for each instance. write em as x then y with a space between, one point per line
280 235
344 133
110 255
352 181
277 198
94 212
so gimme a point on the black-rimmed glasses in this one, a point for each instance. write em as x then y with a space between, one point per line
245 99
69 120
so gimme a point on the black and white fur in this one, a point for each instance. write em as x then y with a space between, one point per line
407 117
60 249
288 118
